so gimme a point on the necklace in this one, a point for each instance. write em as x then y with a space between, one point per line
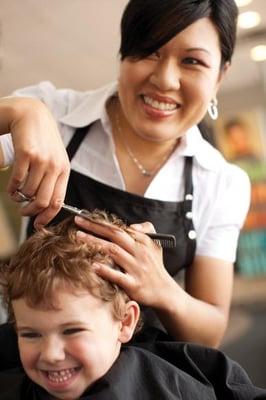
140 167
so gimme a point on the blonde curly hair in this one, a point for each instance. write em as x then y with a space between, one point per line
53 257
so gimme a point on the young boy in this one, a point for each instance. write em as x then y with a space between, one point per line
71 324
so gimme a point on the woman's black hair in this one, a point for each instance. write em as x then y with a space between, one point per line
149 24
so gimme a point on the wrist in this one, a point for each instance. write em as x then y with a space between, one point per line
24 109
170 296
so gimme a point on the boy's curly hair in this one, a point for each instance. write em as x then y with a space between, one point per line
53 257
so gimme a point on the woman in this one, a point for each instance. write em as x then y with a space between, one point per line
135 150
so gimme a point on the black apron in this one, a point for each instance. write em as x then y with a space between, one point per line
166 216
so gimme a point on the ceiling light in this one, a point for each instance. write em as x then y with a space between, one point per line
242 3
258 53
249 19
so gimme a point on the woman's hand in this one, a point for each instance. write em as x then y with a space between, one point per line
41 166
144 278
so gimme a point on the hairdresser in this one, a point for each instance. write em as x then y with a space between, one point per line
135 150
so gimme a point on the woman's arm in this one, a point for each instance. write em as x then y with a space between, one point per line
41 166
200 313
197 314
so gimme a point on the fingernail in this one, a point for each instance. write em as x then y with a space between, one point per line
96 267
81 234
79 220
38 226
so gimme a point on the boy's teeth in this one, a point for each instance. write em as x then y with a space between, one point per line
61 376
159 105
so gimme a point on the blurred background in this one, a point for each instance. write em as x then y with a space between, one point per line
74 43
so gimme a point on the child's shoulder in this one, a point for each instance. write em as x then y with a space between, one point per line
11 383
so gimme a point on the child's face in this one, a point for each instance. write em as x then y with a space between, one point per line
67 350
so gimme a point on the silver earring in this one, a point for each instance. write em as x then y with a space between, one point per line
213 109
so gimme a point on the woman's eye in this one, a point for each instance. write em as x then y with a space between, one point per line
193 61
72 331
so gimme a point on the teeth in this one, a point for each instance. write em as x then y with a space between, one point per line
159 105
60 376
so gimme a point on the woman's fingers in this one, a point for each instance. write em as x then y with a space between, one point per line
18 175
120 278
56 201
126 249
46 202
41 166
116 239
138 256
146 227
119 255
110 232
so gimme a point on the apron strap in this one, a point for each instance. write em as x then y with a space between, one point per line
188 176
188 193
76 141
188 199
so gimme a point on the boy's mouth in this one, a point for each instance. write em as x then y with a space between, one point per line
63 376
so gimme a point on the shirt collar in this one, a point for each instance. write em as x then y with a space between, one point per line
194 145
92 108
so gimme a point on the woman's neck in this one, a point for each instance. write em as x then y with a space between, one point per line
150 155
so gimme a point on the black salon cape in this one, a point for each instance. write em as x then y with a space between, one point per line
167 371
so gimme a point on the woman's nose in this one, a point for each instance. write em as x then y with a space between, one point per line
166 75
52 350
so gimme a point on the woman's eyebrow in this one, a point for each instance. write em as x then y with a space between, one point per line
198 49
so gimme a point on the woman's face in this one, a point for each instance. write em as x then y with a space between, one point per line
166 93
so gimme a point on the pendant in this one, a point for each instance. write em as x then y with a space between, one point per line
146 173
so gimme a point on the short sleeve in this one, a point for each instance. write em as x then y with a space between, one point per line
219 232
7 149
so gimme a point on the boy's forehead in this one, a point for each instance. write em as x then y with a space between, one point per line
67 305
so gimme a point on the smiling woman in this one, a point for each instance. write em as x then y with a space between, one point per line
136 151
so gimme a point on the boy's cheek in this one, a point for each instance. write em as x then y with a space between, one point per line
27 356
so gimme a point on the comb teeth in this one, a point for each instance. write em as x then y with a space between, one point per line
165 240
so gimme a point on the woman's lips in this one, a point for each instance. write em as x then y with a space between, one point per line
159 107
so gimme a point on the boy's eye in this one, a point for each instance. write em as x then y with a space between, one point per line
72 331
29 335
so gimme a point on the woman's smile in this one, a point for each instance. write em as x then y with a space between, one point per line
156 106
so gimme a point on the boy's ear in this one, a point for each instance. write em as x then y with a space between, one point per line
128 324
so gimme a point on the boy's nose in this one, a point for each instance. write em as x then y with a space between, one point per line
166 75
52 350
